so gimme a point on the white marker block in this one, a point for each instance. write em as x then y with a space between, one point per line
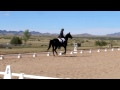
34 55
48 54
112 49
21 76
105 50
98 50
60 53
74 51
90 51
118 49
81 51
8 74
19 56
1 57
71 52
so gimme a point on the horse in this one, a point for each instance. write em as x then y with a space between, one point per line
56 42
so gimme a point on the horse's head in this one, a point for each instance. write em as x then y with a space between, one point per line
69 35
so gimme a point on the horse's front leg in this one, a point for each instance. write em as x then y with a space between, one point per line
64 49
55 50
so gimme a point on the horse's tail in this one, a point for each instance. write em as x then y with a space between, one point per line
50 43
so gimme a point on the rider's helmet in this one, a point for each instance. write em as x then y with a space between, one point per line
62 29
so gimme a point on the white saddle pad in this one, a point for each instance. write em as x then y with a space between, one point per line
61 40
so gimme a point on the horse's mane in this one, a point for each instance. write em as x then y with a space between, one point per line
67 34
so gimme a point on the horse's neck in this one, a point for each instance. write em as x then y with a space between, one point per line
66 38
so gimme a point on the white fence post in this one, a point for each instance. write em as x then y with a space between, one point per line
7 74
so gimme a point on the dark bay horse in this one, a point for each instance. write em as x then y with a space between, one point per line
55 43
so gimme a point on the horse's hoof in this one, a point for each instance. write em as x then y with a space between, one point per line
64 53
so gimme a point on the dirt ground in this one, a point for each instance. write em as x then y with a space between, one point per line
95 65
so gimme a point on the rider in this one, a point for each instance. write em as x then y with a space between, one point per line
61 35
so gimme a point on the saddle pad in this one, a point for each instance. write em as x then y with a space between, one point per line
61 40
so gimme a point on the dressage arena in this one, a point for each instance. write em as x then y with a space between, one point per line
86 65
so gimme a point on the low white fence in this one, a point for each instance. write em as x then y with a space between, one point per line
8 75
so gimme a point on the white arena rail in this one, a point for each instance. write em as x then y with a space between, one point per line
8 75
30 76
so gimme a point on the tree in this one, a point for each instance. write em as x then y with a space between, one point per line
26 36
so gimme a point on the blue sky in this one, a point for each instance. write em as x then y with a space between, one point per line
76 22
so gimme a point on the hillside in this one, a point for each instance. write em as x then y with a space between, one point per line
36 33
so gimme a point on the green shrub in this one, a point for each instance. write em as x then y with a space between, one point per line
100 43
16 40
79 44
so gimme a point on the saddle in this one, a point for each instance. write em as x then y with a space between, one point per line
61 40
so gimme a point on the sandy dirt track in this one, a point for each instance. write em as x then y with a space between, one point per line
102 65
